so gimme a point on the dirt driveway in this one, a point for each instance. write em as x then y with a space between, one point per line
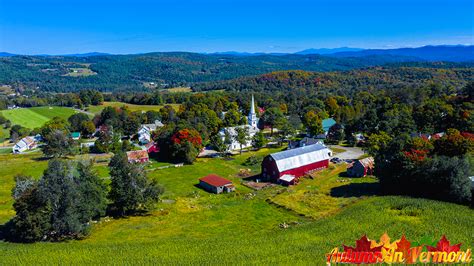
351 153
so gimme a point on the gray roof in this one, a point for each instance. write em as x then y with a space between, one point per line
295 158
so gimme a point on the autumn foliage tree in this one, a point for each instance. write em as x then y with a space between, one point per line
412 166
186 144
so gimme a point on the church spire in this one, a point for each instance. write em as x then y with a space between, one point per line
252 106
252 115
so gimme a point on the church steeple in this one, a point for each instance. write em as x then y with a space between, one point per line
252 115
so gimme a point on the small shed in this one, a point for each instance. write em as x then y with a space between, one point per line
216 184
137 156
361 168
287 180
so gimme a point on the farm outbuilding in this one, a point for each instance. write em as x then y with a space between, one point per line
361 168
287 166
137 156
216 184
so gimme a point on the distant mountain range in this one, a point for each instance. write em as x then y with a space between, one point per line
457 53
453 53
325 51
4 54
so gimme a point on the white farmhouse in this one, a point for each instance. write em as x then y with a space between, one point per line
144 133
25 144
252 129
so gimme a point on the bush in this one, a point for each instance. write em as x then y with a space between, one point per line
252 160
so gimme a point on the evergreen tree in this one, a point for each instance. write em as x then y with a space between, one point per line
93 193
58 186
130 191
32 219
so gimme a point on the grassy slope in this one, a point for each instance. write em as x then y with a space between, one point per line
197 227
36 116
133 107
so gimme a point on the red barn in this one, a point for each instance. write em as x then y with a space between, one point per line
288 166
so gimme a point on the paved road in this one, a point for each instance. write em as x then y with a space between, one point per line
351 153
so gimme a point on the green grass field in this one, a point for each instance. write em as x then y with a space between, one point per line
36 116
195 227
80 72
179 89
133 107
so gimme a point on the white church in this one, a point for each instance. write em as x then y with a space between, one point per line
252 129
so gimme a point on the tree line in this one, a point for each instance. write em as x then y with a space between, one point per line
64 202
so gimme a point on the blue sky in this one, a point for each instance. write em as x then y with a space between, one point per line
120 26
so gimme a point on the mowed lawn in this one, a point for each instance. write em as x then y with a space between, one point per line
192 226
36 116
133 107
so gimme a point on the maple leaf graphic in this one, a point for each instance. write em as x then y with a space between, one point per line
385 243
403 244
444 246
363 245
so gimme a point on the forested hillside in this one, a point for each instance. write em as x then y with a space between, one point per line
396 79
133 72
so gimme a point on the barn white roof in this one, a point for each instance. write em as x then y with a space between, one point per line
295 158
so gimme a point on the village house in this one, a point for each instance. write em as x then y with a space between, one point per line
140 156
216 184
361 168
25 144
306 141
232 132
326 124
75 135
288 166
144 133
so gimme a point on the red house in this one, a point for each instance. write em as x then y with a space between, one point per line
151 147
288 166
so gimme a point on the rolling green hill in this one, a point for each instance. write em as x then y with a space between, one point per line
133 107
131 72
192 226
36 116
